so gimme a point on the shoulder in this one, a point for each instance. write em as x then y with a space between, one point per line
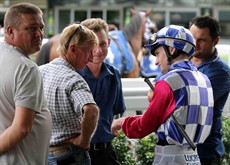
17 58
216 67
29 63
220 63
25 66
170 75
43 68
112 69
177 79
162 88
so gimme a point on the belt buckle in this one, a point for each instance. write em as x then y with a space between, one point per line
99 148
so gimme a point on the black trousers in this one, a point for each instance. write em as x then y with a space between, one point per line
103 154
216 161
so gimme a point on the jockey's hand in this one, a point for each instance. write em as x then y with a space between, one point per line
116 126
150 93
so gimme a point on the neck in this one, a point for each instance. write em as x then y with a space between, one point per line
197 61
181 57
200 58
95 69
7 41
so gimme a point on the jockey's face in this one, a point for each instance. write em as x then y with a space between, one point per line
100 52
161 59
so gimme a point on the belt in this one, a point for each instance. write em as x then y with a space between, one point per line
60 149
100 146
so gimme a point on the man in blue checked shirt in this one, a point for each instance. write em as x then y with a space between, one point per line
206 31
70 101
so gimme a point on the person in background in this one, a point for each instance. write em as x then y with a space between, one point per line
48 51
73 109
206 31
1 31
174 101
25 121
104 81
112 27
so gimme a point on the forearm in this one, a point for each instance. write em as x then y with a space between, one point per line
20 128
89 123
11 137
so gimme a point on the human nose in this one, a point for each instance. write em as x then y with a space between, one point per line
97 50
156 62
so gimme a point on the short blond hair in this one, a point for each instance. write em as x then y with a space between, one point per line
96 24
78 34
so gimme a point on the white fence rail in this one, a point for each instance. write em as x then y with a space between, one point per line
135 94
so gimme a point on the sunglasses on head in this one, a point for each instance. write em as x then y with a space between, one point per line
79 28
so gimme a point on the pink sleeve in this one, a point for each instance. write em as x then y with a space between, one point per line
160 107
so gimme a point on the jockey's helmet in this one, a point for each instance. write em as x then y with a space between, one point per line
174 36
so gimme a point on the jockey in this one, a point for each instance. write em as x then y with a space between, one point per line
181 108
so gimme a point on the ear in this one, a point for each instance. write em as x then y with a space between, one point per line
216 41
109 42
9 31
73 48
172 50
148 11
133 12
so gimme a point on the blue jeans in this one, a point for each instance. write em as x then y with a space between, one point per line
73 156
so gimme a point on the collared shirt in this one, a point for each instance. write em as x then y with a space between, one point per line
66 92
107 92
219 74
187 93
